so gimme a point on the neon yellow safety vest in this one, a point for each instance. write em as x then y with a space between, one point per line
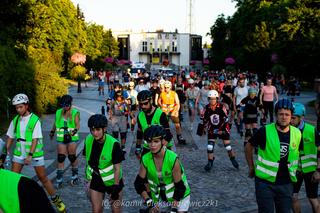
70 124
106 170
167 168
154 121
267 164
22 145
308 156
9 199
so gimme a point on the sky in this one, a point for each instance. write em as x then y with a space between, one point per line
150 15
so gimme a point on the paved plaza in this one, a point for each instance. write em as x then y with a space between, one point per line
224 189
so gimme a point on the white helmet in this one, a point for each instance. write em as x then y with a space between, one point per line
162 81
190 81
20 99
131 84
146 75
168 84
213 94
187 76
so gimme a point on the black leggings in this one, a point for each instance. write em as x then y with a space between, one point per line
268 107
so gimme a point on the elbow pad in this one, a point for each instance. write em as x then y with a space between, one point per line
139 185
179 190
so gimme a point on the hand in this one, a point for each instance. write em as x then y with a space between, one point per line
138 150
316 177
51 134
28 160
74 132
251 173
115 192
155 209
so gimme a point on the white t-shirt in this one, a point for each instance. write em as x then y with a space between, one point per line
240 93
37 133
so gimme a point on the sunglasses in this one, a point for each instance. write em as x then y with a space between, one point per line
167 87
143 103
212 99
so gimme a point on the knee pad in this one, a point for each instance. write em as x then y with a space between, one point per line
228 147
248 133
210 146
254 131
123 135
72 158
61 158
115 134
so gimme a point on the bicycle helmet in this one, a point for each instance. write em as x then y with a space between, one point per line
299 109
213 94
284 104
154 132
66 101
144 95
97 121
252 91
167 84
190 81
20 99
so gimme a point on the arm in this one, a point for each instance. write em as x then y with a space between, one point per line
180 188
177 102
156 99
275 94
116 168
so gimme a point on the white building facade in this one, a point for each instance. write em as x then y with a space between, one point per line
157 47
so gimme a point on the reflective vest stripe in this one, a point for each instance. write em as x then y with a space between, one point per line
169 186
308 157
268 163
269 172
311 163
106 170
107 178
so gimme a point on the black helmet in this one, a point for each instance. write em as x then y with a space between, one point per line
66 100
144 95
154 131
284 104
97 121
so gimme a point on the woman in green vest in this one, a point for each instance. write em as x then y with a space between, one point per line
309 167
165 175
67 124
103 165
26 129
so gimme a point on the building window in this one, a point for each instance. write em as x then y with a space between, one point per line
144 46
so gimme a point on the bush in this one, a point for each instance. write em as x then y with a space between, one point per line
78 72
48 84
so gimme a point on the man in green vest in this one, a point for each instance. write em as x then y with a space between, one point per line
309 162
20 193
150 115
67 124
103 165
277 160
164 173
25 128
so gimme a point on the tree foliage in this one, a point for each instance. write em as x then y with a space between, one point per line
38 37
258 29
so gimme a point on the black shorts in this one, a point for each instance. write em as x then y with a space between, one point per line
311 188
250 120
133 107
224 136
98 185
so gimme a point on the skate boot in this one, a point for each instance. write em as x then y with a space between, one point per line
59 204
181 140
59 179
74 178
209 165
234 162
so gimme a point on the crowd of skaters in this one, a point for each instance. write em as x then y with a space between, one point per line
146 105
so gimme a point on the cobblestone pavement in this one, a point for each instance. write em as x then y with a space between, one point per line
224 189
